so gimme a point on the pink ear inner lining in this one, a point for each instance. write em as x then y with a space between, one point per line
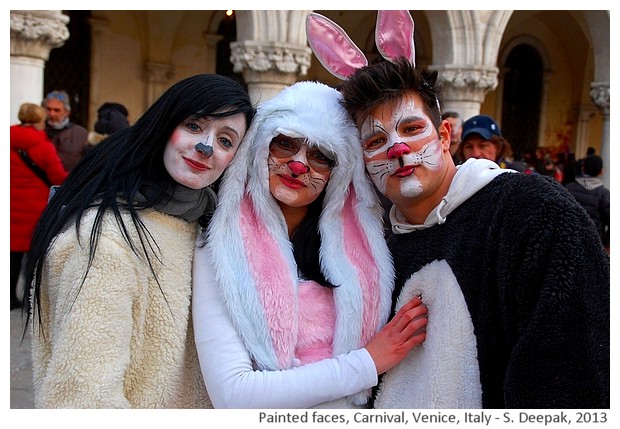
333 47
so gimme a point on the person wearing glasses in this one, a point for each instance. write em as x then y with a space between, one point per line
70 139
293 279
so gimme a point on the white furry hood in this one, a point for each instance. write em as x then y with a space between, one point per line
248 218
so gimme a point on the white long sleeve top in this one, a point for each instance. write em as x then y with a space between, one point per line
232 381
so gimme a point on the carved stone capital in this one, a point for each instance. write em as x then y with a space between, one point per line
35 33
158 73
467 82
269 56
599 92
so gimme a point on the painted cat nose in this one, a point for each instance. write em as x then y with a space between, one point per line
398 150
298 168
204 149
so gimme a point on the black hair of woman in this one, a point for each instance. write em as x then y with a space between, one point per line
111 175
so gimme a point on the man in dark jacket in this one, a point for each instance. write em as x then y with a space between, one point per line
589 191
517 291
69 139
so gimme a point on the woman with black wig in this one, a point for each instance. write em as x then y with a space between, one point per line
111 258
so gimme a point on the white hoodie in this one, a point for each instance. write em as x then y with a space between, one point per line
470 177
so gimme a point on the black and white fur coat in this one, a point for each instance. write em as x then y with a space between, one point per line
518 298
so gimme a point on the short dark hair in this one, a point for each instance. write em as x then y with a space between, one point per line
385 81
593 165
110 105
450 114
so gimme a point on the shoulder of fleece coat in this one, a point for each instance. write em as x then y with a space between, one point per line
106 316
163 229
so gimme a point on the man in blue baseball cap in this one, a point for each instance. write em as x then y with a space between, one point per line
482 138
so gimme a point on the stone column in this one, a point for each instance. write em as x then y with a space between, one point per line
544 102
158 77
33 35
211 41
583 115
465 87
599 92
269 67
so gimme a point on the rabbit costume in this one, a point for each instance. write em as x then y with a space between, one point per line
504 261
247 268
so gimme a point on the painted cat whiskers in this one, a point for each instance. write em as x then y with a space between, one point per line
379 171
314 181
400 135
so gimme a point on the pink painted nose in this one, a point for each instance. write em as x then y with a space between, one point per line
398 150
298 168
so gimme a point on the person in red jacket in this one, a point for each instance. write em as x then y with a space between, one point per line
29 191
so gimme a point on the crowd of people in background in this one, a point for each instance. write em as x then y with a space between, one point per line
45 146
35 167
481 137
221 254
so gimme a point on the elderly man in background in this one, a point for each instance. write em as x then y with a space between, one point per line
69 139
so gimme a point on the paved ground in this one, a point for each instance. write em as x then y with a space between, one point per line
21 364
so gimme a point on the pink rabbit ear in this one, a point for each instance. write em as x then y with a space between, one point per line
394 35
333 47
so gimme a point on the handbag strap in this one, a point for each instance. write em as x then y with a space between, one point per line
34 167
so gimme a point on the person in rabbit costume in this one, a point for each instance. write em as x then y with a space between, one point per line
293 279
517 295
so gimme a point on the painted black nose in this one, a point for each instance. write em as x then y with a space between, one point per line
204 149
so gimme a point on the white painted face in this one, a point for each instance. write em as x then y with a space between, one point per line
197 169
297 173
402 149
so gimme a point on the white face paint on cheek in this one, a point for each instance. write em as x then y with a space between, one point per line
429 156
222 157
380 171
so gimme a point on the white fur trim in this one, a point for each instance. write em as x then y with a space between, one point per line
443 372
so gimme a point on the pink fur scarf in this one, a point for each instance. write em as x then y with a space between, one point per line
278 290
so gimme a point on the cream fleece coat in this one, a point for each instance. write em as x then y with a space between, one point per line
121 340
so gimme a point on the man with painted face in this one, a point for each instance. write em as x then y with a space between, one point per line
293 283
517 292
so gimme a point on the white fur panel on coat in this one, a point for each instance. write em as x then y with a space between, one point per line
443 372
